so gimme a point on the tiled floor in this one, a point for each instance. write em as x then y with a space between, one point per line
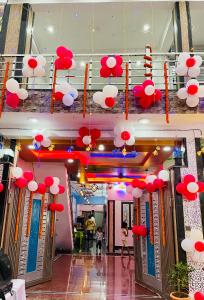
86 277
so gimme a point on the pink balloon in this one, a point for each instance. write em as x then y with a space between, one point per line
138 91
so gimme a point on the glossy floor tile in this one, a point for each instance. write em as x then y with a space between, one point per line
86 277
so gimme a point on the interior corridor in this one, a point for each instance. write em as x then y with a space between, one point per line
86 277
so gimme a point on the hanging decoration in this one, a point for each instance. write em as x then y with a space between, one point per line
189 188
64 59
188 65
14 93
139 230
88 137
34 66
146 94
41 141
192 92
111 66
65 93
194 245
124 135
106 98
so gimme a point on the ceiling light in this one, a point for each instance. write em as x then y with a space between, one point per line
82 64
101 147
31 147
166 148
93 30
144 121
33 120
146 28
70 161
50 29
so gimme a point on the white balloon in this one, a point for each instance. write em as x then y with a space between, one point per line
73 66
129 189
25 59
87 139
150 178
103 105
201 91
67 100
137 193
192 187
22 94
164 175
198 60
183 57
118 129
182 93
187 245
110 91
74 93
196 234
131 141
56 181
192 82
17 172
192 101
12 85
181 70
32 186
98 97
194 72
41 60
46 143
111 62
27 72
149 90
54 189
118 143
64 88
39 72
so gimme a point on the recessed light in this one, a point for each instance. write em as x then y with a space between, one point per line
93 30
101 147
166 148
33 120
70 161
144 121
50 29
146 28
31 147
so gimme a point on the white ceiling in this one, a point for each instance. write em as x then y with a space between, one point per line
118 27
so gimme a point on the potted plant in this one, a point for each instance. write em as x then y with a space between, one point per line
178 279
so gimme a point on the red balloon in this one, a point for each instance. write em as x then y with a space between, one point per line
150 188
180 188
41 188
12 100
64 52
95 134
1 187
201 187
83 131
53 206
142 184
190 196
145 102
105 72
79 142
158 95
93 143
139 230
190 62
117 71
28 175
39 138
48 181
138 91
135 183
32 62
199 246
198 296
119 59
147 82
192 89
58 96
158 183
189 178
61 189
104 60
21 182
110 101
63 63
59 207
125 135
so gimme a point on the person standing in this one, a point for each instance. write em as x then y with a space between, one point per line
99 239
124 236
90 225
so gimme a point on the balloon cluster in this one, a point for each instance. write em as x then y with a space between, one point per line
66 93
192 92
34 66
147 94
111 65
14 93
189 188
154 182
106 98
65 59
188 65
87 137
139 230
40 140
194 245
138 187
124 135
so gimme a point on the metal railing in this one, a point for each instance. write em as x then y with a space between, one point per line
76 76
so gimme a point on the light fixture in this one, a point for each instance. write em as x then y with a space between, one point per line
144 121
146 28
33 120
82 64
101 147
166 148
93 30
70 161
31 147
50 29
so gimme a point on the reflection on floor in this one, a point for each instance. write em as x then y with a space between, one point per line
86 277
